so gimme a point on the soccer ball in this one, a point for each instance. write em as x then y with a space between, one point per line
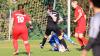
61 48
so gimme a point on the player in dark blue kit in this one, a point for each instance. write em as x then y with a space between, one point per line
56 42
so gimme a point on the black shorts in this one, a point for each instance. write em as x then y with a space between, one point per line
55 29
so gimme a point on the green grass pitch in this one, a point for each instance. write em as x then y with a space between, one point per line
6 49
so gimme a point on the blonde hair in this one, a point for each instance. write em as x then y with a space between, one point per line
75 2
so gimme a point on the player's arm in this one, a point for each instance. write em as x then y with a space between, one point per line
60 20
79 16
53 17
30 23
29 20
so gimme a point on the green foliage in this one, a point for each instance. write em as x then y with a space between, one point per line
46 2
3 5
59 9
3 19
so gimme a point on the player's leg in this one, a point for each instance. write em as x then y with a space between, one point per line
54 46
79 40
27 47
69 39
84 40
47 33
62 48
56 39
53 42
81 30
43 41
64 44
15 42
58 32
81 43
26 43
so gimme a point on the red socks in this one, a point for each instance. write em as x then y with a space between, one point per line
27 46
80 42
84 40
15 44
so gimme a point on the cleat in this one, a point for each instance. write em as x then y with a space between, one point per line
80 49
41 46
67 50
15 53
28 54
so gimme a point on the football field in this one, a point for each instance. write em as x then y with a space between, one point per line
6 49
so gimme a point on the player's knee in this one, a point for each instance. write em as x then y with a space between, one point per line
76 35
14 40
80 35
45 36
25 42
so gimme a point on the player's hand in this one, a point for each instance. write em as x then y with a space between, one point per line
75 21
84 53
48 11
60 21
31 27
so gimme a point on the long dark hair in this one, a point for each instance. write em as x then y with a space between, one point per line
50 7
20 6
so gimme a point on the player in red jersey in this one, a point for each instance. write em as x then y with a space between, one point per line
80 19
20 18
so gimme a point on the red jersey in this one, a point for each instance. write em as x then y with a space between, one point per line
81 23
20 19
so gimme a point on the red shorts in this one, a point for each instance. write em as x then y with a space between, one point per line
20 32
80 29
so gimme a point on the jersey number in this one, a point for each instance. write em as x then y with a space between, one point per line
20 19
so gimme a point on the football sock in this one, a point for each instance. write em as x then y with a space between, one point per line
27 46
15 44
80 42
64 43
84 40
43 41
